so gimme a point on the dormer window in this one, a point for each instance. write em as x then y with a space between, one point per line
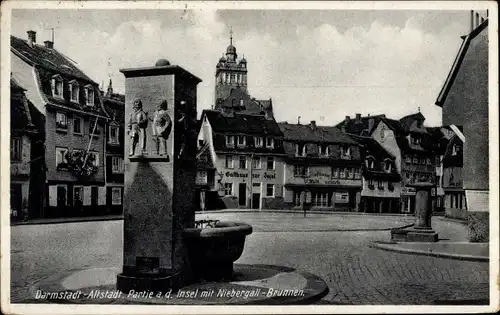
230 141
324 150
415 139
89 95
370 162
300 150
57 86
258 142
388 166
242 141
114 132
74 91
269 143
455 149
345 152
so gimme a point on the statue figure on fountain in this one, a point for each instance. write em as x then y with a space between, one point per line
138 123
162 126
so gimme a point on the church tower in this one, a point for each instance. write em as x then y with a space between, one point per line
230 74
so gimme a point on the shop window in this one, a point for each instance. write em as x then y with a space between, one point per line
78 196
229 161
320 199
296 198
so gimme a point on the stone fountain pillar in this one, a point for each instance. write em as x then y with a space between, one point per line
422 230
160 173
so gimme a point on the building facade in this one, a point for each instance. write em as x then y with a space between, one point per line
75 123
323 168
247 155
25 139
115 149
414 151
381 183
464 100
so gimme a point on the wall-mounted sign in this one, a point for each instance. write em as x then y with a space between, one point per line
408 191
245 175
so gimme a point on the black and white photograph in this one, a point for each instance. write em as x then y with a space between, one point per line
232 157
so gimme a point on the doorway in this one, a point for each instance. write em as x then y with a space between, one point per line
242 194
256 201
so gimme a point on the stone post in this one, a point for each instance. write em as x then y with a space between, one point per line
160 175
422 230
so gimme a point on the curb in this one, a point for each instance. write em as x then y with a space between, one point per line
68 220
307 212
334 230
388 247
465 222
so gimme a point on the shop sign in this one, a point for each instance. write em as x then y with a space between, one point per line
245 175
408 191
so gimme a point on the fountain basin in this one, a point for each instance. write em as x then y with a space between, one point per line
212 251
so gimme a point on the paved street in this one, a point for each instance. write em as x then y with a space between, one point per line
355 273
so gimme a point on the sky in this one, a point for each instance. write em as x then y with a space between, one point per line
317 64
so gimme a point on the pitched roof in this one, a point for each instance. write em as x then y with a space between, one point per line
373 148
204 158
115 106
15 85
360 126
242 123
48 58
453 160
458 62
20 115
408 120
296 132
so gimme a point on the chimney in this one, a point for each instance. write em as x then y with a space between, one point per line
358 117
313 124
31 38
471 20
382 116
49 44
347 118
477 20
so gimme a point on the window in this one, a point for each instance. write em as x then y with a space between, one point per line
61 157
117 164
415 159
74 91
116 196
320 199
229 161
230 141
345 152
89 95
77 125
61 121
335 172
380 184
94 128
114 132
407 158
371 163
296 198
270 163
358 174
342 172
228 189
370 184
324 150
388 166
242 141
233 78
300 171
243 162
258 142
95 155
241 102
428 160
270 190
300 150
438 161
269 142
455 149
77 195
16 148
256 163
57 86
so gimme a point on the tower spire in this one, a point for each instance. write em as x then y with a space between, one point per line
231 35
